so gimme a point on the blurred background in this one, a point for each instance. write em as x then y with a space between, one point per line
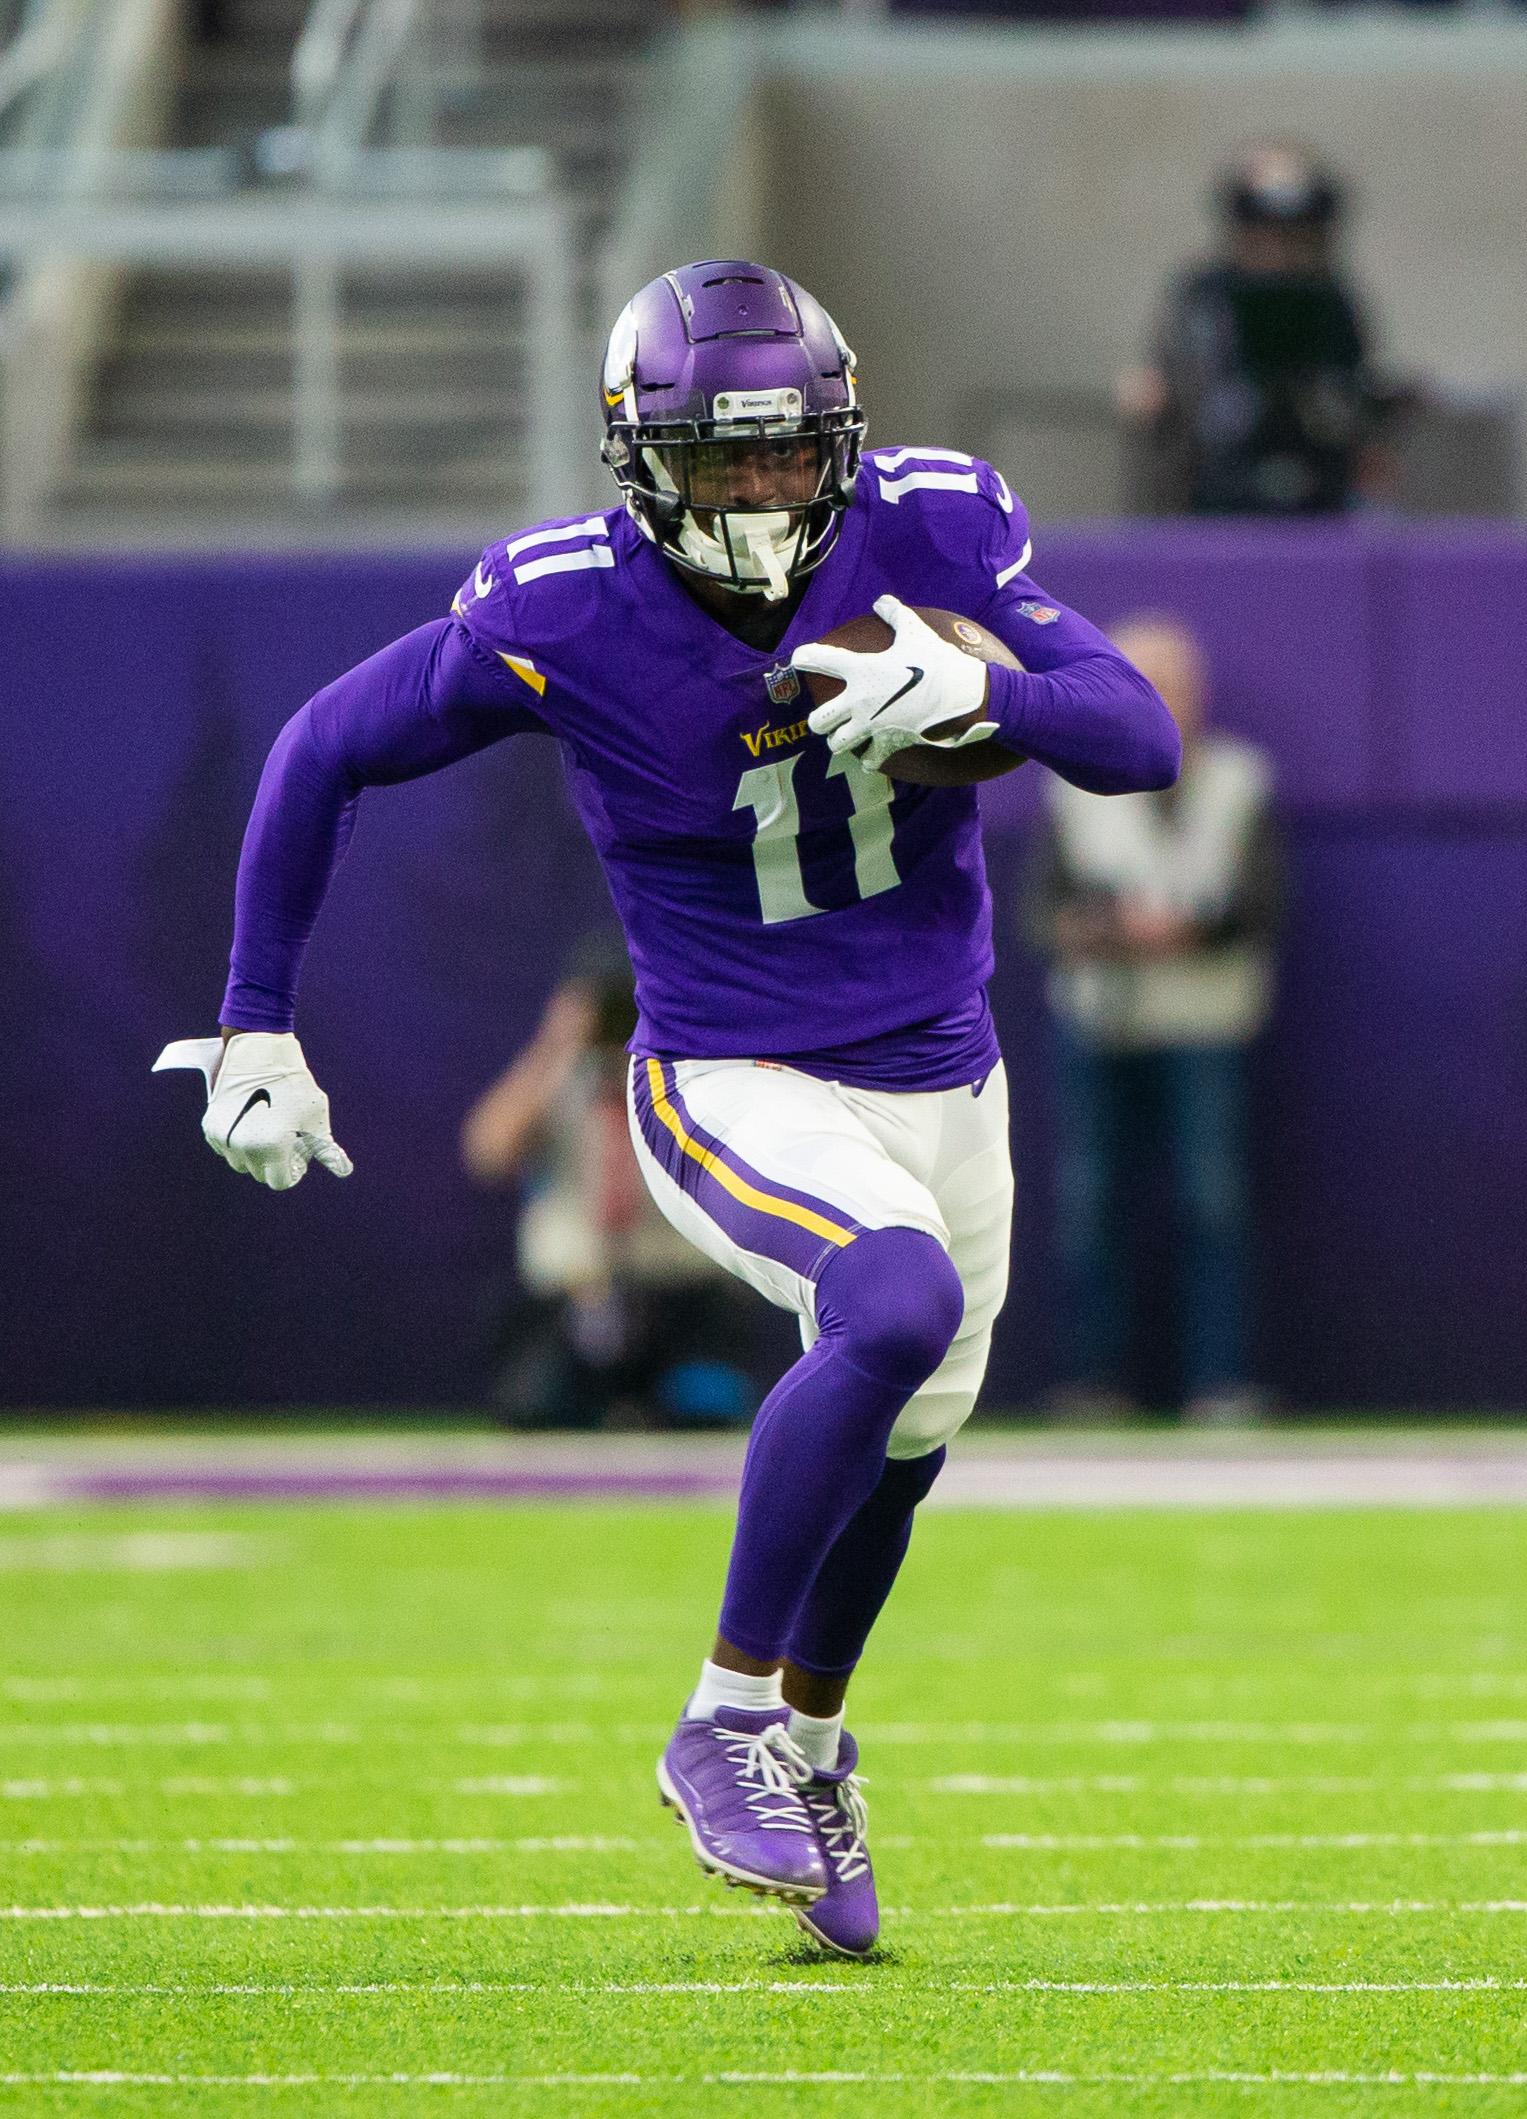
300 306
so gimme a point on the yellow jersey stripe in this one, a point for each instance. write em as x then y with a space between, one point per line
728 1179
526 670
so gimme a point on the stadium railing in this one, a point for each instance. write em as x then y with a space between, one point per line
94 194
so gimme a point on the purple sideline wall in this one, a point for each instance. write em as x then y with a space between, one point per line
1380 666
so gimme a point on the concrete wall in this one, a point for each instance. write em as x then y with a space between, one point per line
993 212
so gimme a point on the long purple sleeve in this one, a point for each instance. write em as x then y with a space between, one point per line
427 700
1077 705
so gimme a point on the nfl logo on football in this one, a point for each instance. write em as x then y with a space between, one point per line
782 684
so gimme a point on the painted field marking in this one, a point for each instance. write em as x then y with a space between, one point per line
37 1692
597 1911
136 1552
568 1843
32 1689
45 1791
34 1789
1238 1986
227 1784
575 1843
510 1734
1154 1732
592 1911
257 1785
1084 1842
1060 2078
805 1987
1225 1784
524 1784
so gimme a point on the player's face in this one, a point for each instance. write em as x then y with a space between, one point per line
785 473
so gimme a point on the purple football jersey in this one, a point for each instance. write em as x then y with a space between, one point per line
776 900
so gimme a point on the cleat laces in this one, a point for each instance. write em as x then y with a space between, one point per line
770 1768
841 1816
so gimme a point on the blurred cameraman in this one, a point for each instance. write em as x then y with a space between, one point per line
1260 397
621 1323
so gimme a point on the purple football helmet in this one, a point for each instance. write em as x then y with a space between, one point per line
732 423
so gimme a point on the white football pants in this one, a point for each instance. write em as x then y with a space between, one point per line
769 1172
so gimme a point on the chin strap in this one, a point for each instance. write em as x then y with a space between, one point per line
763 536
765 555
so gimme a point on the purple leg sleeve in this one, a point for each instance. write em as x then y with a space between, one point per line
855 1579
888 1306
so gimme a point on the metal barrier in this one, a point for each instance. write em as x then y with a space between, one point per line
89 200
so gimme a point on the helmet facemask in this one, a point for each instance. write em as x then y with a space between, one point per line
751 503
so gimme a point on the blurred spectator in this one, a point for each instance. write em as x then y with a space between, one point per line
1159 914
621 1322
1260 397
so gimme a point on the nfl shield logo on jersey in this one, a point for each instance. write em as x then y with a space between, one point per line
782 684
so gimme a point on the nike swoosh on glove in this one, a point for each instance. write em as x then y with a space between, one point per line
891 699
265 1113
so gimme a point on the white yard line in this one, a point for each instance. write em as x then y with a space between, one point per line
106 1735
131 1552
563 1843
62 1688
1090 1842
532 1784
39 1691
1224 1784
803 1987
517 1785
1058 2078
576 1843
597 1911
259 1786
1193 1732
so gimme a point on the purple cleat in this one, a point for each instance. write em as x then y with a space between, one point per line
846 1918
735 1782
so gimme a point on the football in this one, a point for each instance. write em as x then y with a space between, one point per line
923 763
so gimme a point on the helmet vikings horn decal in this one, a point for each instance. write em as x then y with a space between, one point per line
732 423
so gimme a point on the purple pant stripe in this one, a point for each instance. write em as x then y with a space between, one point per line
766 1234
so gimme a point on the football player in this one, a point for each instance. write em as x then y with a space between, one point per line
816 1094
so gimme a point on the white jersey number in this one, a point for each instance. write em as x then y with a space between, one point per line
769 791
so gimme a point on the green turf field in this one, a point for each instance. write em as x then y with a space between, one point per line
1175 1813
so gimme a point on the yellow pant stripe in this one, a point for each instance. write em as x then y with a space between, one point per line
711 1163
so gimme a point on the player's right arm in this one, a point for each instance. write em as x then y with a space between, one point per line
429 699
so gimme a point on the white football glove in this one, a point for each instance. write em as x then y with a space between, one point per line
265 1113
891 699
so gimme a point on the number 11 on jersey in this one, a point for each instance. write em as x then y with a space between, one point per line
769 791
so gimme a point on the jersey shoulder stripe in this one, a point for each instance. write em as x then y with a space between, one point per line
894 482
594 555
538 589
592 526
893 459
1018 565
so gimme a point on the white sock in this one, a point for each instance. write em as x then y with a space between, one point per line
818 1736
731 1688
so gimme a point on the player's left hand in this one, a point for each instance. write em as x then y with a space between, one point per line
897 696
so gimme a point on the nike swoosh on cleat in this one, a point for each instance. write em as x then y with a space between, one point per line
259 1096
